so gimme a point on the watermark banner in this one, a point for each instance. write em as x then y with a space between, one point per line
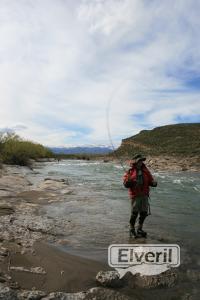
146 259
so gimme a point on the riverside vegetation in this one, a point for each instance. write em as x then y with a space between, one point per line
16 151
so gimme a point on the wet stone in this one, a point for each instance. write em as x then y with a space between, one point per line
165 279
109 279
7 293
31 295
99 293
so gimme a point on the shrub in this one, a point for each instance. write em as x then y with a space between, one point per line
14 150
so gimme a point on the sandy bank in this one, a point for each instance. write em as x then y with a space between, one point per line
62 271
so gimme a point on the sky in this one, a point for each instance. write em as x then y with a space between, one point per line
93 72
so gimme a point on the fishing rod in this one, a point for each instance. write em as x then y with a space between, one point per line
108 121
108 128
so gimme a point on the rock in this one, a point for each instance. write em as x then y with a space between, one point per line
4 277
6 209
165 279
184 169
4 251
106 160
7 293
25 228
63 180
65 296
96 293
9 184
52 184
57 186
109 279
99 293
31 295
13 285
35 270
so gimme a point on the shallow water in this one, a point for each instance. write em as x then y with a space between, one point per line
99 211
100 208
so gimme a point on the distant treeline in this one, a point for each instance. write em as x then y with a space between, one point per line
78 156
15 150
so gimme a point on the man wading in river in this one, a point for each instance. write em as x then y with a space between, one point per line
138 179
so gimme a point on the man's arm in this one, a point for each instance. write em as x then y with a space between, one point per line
152 181
128 181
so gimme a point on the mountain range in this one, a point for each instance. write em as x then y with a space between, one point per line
82 150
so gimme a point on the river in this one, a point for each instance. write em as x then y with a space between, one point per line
100 208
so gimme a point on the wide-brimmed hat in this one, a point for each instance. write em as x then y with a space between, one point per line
139 157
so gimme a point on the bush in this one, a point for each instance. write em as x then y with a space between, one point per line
14 150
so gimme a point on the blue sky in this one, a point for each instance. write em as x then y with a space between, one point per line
69 69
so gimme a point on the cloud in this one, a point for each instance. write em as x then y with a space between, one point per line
18 127
70 71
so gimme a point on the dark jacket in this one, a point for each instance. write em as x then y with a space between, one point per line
139 190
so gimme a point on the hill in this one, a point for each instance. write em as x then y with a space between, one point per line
172 140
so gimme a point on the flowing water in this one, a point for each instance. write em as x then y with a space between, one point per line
100 209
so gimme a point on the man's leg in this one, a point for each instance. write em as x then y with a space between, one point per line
143 212
143 215
133 218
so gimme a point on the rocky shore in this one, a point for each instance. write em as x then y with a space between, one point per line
164 163
174 163
31 267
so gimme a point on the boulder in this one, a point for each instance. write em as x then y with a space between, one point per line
31 295
96 293
165 279
65 296
99 293
7 293
109 279
57 186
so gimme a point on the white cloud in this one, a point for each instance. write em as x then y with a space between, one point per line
61 62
